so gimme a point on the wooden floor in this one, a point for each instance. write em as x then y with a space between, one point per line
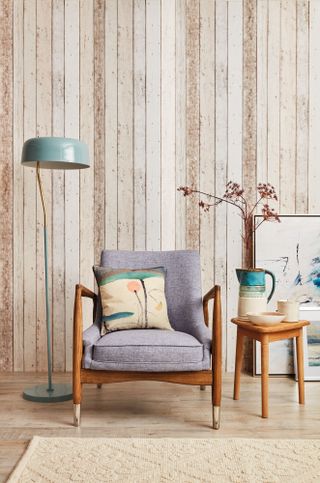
150 409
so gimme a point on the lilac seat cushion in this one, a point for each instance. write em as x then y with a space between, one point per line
150 350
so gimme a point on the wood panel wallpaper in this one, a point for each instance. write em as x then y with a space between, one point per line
165 93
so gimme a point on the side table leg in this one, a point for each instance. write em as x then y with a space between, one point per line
239 357
299 346
264 375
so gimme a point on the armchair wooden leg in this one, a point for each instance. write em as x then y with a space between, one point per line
77 397
202 387
76 414
77 352
216 351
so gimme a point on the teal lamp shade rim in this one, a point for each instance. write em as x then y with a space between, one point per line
55 153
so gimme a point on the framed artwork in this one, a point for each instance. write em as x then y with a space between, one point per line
291 250
311 343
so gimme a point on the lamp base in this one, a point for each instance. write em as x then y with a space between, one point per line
59 393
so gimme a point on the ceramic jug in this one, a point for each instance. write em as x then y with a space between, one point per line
252 292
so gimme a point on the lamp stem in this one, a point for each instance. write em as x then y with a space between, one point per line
45 239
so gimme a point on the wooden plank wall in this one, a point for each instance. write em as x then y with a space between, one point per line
6 186
165 93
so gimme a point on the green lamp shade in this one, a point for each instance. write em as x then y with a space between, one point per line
55 153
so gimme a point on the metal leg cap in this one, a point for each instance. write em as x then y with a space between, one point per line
216 417
76 415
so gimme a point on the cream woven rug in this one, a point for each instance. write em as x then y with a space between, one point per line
60 460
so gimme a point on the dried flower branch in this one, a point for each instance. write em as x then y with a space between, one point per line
235 195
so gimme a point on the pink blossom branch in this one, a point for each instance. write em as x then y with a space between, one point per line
187 191
257 226
234 196
255 205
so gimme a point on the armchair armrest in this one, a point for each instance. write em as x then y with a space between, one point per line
216 343
208 296
91 335
85 292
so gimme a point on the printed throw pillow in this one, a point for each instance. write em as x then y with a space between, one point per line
132 299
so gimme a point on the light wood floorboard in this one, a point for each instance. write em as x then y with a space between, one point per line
150 409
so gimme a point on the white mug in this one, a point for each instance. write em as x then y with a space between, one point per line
290 308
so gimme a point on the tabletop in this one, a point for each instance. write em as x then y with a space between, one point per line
282 326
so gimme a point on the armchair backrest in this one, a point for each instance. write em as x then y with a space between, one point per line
183 280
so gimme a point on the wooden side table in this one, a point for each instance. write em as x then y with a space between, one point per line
265 334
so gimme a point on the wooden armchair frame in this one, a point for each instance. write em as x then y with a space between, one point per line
211 377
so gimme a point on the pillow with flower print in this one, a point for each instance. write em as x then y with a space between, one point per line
132 299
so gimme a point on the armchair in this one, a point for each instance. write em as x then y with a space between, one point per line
190 354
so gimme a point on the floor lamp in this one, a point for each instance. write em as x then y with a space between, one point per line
51 153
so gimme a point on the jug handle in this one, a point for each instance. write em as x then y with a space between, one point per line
273 284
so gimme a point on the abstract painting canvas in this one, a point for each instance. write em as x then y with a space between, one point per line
311 343
291 250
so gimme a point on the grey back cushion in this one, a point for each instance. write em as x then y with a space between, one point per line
183 281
